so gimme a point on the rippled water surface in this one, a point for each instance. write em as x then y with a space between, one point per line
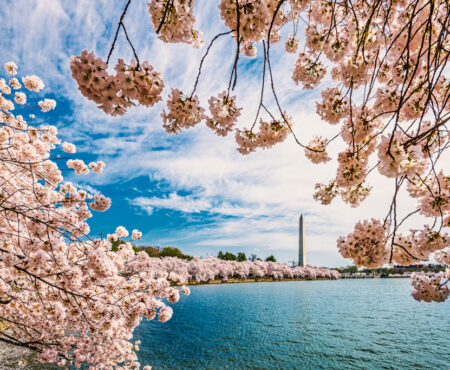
344 324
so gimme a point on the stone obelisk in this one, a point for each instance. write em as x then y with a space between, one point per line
301 243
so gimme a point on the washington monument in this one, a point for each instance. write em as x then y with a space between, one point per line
301 243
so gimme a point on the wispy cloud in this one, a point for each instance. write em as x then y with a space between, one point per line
208 195
174 202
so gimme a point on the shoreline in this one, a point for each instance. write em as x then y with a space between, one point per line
271 280
376 277
243 281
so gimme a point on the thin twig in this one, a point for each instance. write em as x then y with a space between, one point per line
117 30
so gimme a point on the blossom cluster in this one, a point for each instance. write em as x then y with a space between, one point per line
367 245
224 113
326 193
69 297
174 19
132 84
308 71
316 150
47 104
356 194
270 133
430 288
435 202
371 246
333 107
397 160
443 256
291 45
254 18
184 112
97 167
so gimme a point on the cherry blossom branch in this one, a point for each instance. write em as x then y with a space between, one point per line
122 16
203 59
233 81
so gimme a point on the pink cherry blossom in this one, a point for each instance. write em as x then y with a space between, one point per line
430 288
79 166
308 71
367 245
184 112
165 314
224 114
326 193
121 232
100 203
20 98
69 147
176 23
47 104
97 167
33 83
11 68
114 94
316 151
136 234
291 45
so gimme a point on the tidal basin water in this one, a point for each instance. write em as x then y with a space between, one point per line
344 324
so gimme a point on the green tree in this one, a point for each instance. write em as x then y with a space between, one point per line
241 257
271 258
351 269
173 252
229 256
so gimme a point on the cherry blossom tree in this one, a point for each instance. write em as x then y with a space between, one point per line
63 294
390 99
202 270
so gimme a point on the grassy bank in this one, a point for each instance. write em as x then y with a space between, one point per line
238 281
271 280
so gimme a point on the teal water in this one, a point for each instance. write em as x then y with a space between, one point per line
343 324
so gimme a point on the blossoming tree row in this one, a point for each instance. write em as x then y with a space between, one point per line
202 270
387 95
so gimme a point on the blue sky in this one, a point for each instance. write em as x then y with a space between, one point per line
194 190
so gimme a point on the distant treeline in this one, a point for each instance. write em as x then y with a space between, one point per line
156 251
386 271
240 257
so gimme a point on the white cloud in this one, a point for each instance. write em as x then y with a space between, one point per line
173 201
255 200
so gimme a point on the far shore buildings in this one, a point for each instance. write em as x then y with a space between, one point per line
301 243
